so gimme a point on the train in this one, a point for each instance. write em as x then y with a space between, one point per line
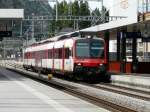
72 56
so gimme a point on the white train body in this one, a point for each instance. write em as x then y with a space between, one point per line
40 56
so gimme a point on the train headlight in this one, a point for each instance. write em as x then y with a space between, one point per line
79 64
101 64
102 68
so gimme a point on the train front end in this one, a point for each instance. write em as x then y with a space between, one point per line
90 58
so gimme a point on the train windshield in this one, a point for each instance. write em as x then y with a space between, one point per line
90 49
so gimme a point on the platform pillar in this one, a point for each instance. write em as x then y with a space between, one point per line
118 45
106 38
123 51
134 54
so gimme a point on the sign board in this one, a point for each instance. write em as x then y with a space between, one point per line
146 39
5 33
113 46
147 16
12 13
133 34
126 8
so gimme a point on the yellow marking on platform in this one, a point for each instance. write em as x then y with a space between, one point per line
50 76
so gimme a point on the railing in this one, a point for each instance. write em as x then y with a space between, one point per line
74 18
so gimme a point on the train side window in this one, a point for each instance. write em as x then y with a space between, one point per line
45 54
40 54
70 53
33 54
50 51
56 54
67 53
29 55
60 53
25 55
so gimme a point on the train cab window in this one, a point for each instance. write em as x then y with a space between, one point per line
82 49
97 49
90 49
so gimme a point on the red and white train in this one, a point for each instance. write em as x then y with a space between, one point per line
74 56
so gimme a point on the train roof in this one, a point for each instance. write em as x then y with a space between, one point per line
74 35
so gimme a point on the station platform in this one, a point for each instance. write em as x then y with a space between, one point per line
21 94
135 79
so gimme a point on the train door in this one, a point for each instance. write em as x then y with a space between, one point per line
60 59
50 59
38 59
63 56
68 60
56 59
44 58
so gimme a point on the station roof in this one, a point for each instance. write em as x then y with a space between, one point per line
11 13
110 25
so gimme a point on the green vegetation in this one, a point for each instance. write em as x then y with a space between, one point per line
77 8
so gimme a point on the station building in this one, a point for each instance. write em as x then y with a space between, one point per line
127 39
8 43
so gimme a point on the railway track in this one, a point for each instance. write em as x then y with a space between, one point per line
135 93
91 97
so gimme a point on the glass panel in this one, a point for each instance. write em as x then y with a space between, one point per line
82 49
97 49
90 49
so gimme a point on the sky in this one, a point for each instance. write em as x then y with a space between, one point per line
92 4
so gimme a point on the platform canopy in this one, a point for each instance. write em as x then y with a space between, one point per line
11 13
110 25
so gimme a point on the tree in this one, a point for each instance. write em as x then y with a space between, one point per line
105 14
75 8
84 11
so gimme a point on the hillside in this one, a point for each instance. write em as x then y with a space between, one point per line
36 7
